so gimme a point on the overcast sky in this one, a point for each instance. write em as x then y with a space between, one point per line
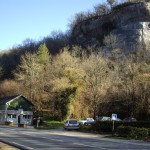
34 19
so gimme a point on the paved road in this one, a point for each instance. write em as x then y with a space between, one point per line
28 139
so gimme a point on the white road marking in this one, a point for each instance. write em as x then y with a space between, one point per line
22 145
27 134
144 144
52 139
11 131
56 140
88 145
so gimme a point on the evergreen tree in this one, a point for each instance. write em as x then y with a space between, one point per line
43 54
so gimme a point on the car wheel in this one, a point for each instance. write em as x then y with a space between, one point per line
65 128
85 124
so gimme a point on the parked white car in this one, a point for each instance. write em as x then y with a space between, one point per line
71 124
104 118
86 121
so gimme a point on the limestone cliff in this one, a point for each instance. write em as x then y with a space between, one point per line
129 23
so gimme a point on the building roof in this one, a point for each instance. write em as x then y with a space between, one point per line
5 100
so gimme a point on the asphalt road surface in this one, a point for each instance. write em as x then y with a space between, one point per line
29 138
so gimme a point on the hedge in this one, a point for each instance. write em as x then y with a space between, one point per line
106 126
132 132
102 126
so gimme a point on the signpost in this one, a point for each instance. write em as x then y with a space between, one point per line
38 121
113 118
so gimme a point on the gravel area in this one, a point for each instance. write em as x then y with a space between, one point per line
4 146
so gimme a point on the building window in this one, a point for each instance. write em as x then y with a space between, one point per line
27 116
13 116
9 115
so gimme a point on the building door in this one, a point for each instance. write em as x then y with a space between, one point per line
19 119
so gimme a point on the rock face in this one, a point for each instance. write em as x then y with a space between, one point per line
130 24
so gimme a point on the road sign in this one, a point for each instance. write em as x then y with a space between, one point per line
113 116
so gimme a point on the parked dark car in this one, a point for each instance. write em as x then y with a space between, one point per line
118 119
129 119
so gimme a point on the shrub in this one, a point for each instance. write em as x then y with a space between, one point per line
132 132
86 128
102 126
34 122
142 132
139 124
106 126
123 131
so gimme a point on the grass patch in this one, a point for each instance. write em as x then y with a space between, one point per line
56 123
126 138
50 125
116 137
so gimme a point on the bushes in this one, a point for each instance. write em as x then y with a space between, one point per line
139 124
133 132
106 126
86 128
102 126
34 122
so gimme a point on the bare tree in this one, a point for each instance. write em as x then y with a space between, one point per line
96 73
101 9
129 71
111 3
136 1
29 74
9 88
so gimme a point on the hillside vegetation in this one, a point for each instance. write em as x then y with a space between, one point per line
64 79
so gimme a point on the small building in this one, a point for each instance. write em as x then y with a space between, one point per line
16 109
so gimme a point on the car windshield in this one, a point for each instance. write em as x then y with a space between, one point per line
90 119
104 118
73 121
